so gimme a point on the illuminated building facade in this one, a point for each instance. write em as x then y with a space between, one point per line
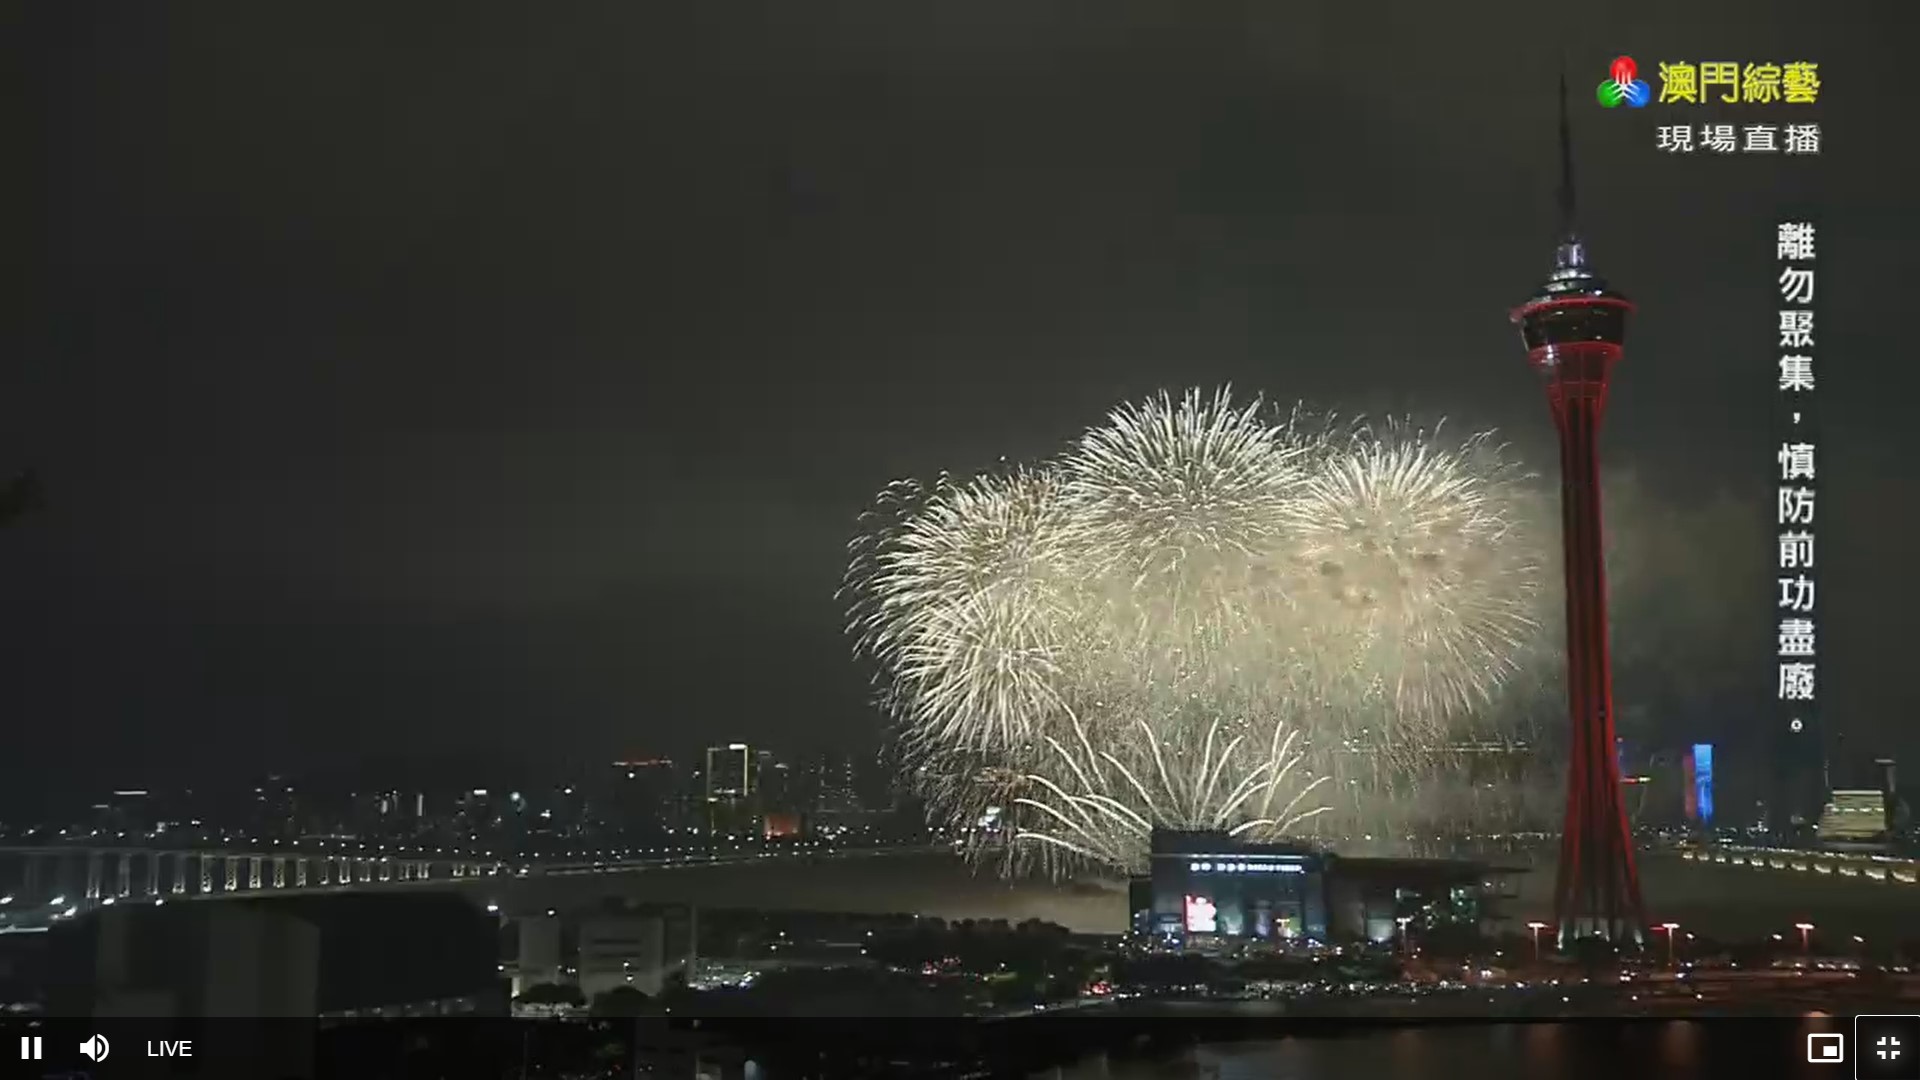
729 773
1209 883
1207 886
731 787
1700 785
1855 819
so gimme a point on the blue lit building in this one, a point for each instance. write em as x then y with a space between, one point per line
1700 798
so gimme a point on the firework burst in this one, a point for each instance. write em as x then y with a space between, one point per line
1115 641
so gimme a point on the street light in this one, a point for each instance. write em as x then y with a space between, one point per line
1536 927
1669 927
1805 929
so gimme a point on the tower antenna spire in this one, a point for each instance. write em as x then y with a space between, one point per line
1566 160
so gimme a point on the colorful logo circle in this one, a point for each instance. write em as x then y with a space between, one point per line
1623 85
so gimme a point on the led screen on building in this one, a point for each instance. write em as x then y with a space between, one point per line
1200 915
1703 781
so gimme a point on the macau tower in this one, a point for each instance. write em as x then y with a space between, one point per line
1574 329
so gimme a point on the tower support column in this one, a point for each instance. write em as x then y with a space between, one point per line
1597 890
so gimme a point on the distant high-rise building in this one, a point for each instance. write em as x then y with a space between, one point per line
1890 791
1854 818
773 782
1700 785
275 811
128 812
730 789
566 812
834 784
478 814
729 772
641 797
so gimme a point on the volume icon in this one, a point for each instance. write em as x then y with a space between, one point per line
95 1048
31 1048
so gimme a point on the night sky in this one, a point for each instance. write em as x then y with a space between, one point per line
502 383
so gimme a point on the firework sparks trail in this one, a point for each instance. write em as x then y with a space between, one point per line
1100 644
1110 812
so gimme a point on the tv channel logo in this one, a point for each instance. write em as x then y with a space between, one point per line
1624 86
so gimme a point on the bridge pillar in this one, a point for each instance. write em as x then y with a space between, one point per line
96 869
279 871
33 886
253 871
233 873
180 870
123 875
425 869
152 886
300 873
23 880
206 874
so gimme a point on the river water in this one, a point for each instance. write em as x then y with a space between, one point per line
1733 1049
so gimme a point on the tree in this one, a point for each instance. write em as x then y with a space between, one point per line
552 994
622 1001
1594 954
674 991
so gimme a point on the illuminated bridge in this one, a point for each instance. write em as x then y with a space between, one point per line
56 881
70 879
